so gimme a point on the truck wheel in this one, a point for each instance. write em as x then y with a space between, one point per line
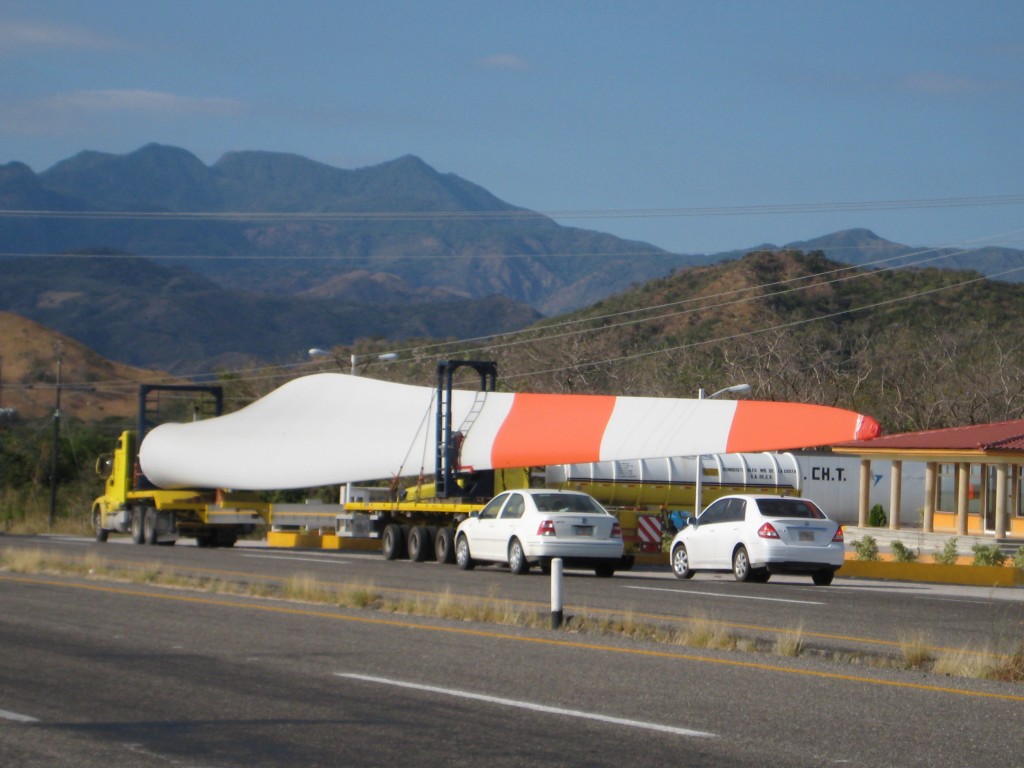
419 544
149 526
444 546
394 542
97 524
138 534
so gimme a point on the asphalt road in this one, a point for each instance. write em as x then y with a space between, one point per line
97 673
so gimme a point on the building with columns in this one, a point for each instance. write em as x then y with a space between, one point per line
973 478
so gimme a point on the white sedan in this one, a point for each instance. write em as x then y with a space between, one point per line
756 536
531 526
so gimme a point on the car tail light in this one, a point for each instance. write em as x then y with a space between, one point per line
546 528
839 534
616 530
767 531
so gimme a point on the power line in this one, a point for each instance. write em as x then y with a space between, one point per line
526 214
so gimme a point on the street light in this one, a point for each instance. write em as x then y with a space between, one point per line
354 360
387 357
699 467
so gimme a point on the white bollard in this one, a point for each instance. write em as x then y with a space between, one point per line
556 593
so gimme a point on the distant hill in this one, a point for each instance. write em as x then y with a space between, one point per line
161 260
137 312
283 224
94 388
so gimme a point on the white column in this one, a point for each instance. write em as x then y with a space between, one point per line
895 495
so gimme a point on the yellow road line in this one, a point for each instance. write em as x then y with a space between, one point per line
404 624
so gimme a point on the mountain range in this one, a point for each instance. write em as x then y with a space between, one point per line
156 259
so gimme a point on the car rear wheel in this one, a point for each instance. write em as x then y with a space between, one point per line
823 578
462 556
741 564
517 558
681 562
605 570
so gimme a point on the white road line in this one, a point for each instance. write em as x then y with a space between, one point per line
723 594
5 715
61 539
303 559
531 706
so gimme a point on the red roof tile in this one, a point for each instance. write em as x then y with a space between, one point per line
1000 436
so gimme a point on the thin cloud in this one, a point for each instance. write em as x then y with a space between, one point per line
27 34
137 100
76 110
503 61
943 84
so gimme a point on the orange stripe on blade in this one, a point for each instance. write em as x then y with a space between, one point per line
766 426
552 429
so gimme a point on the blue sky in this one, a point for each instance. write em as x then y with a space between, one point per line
682 113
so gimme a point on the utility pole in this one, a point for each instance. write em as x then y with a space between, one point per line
58 348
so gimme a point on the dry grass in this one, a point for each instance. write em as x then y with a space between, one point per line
962 662
699 631
917 653
704 632
1009 669
790 643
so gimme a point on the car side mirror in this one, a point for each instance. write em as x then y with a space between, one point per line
691 521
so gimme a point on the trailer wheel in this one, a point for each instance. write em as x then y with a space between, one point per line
97 524
149 526
225 537
419 544
138 534
444 546
394 542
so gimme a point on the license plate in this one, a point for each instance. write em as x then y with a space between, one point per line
583 530
806 535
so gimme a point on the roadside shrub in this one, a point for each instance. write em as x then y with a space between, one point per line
949 553
902 553
988 554
1018 557
876 517
866 548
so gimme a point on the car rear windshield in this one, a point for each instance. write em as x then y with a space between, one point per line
567 502
789 508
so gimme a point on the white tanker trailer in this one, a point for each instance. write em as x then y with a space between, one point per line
833 481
